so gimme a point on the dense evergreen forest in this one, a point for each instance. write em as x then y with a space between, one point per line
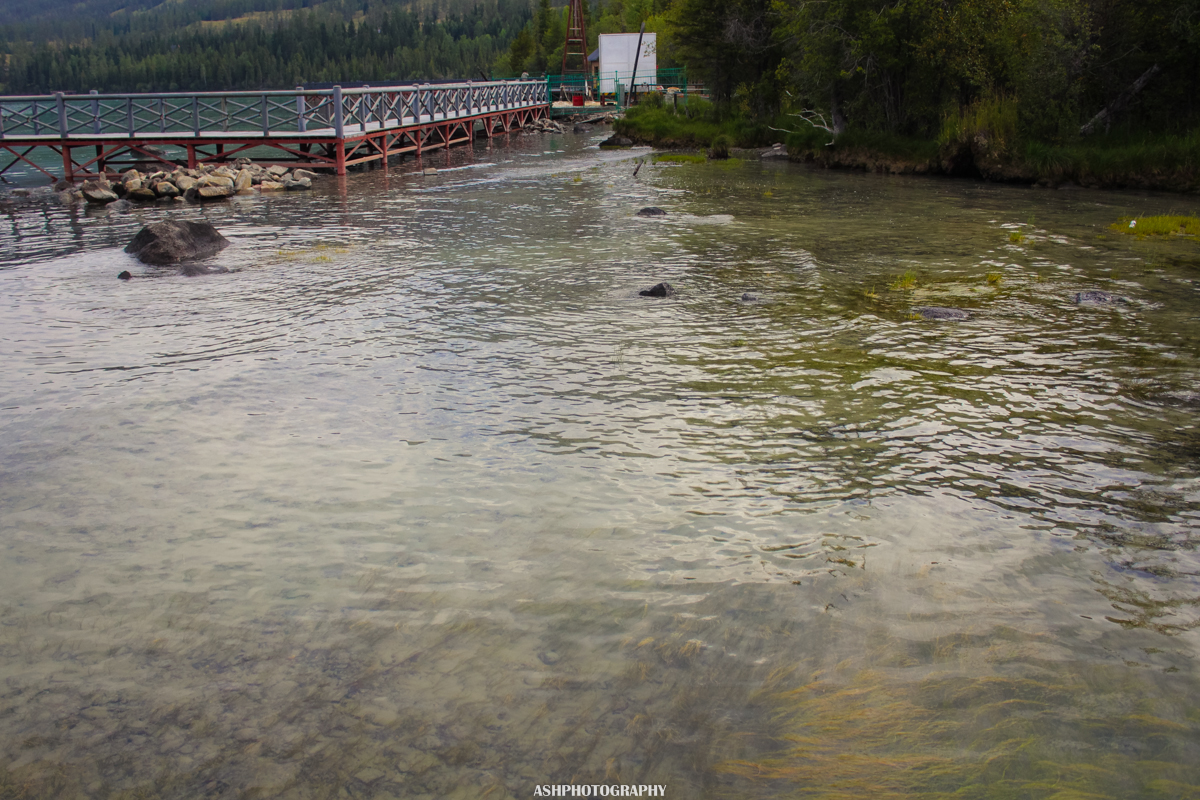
1040 69
149 45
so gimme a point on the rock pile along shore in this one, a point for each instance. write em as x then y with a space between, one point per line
196 185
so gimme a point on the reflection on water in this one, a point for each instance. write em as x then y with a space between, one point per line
423 500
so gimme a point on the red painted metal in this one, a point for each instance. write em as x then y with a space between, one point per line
114 154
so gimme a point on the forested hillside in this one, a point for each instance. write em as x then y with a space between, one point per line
150 45
902 65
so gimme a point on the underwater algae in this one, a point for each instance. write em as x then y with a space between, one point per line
1058 737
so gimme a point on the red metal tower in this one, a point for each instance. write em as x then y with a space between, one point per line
576 45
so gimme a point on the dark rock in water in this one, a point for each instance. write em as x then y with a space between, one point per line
172 241
749 298
651 211
658 290
119 206
617 141
580 129
937 312
1097 296
124 275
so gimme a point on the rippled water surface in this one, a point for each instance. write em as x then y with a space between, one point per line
424 500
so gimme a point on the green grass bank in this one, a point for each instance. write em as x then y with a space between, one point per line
980 143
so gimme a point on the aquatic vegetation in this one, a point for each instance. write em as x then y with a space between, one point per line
994 278
1157 226
1016 237
318 252
953 736
680 158
1143 611
720 146
904 282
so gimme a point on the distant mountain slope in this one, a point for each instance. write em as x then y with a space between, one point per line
119 45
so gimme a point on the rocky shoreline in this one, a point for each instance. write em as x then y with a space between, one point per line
188 185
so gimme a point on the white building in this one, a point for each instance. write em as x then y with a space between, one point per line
617 52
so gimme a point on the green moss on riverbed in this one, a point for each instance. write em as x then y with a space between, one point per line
1158 226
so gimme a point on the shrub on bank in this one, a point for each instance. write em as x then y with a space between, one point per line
1168 161
981 140
691 122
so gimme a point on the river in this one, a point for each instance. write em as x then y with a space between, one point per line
424 500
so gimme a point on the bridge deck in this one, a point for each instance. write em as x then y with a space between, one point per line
331 129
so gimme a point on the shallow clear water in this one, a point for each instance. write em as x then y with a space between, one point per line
423 500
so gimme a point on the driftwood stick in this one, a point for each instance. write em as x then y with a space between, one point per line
1109 112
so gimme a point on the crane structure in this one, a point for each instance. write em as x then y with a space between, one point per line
576 46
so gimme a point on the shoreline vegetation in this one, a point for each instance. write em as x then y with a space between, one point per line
973 144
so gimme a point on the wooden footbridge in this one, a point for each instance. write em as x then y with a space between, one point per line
104 134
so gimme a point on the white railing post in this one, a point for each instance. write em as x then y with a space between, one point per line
338 115
62 114
196 115
301 122
95 113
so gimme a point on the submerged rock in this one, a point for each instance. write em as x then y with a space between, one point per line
749 298
172 241
658 290
651 211
1098 297
939 312
192 270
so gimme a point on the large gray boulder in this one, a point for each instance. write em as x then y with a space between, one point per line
173 241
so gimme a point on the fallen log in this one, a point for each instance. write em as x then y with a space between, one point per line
1109 112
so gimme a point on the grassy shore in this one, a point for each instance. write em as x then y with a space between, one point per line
986 147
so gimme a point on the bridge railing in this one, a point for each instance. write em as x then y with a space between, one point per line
336 112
